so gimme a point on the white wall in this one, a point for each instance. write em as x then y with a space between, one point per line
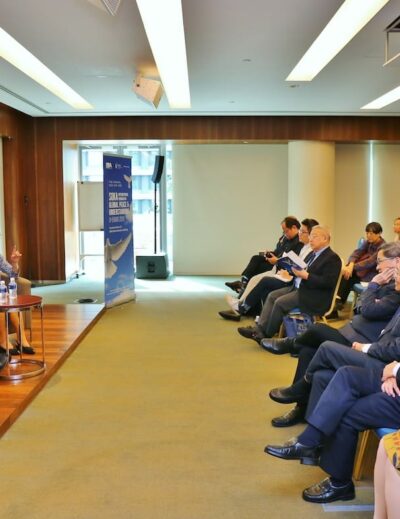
229 200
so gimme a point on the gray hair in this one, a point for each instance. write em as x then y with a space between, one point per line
391 249
324 230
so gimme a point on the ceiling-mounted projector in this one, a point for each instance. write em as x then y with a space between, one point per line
149 90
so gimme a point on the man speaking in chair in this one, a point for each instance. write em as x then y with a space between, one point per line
311 292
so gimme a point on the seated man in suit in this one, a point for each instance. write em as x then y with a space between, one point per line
356 399
331 356
375 308
264 262
311 291
261 285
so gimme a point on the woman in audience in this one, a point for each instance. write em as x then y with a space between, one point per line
361 265
387 477
253 297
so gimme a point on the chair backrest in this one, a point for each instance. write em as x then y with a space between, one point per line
335 292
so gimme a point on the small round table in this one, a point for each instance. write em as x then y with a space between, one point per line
22 367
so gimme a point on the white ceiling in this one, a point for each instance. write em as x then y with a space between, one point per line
98 55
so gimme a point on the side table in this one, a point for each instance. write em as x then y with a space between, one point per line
21 366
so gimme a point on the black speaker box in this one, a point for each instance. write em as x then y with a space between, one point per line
158 169
153 266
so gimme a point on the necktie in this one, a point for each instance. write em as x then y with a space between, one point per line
311 258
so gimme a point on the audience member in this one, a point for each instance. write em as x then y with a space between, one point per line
331 356
375 308
264 261
361 265
387 476
253 298
311 292
355 399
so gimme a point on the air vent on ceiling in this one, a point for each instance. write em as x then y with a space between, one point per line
23 99
107 5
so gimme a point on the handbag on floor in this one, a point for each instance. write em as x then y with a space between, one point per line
296 323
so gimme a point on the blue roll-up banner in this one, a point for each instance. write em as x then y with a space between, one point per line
119 274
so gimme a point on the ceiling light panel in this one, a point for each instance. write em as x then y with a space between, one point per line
384 100
350 18
21 58
163 23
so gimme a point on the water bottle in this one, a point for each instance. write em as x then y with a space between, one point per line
3 292
12 289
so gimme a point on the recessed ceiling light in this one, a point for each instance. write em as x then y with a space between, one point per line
349 19
384 100
163 23
246 60
21 58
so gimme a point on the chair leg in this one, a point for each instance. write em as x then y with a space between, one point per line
366 455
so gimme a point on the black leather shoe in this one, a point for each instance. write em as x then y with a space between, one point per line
325 492
278 346
251 332
230 315
292 417
293 450
28 350
298 392
236 286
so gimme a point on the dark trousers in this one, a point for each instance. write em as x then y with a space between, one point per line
309 342
352 402
329 358
257 265
346 286
255 299
278 303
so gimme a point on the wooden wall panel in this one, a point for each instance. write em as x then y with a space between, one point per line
234 128
16 129
33 161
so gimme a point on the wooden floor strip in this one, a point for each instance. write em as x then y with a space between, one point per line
64 328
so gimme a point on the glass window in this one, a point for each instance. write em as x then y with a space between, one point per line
143 157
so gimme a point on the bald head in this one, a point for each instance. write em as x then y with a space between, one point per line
320 237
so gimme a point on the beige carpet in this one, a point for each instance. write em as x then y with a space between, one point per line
161 413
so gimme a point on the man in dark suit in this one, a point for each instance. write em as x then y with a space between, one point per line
331 356
356 399
263 262
311 292
375 308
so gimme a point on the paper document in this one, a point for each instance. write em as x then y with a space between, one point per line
291 260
